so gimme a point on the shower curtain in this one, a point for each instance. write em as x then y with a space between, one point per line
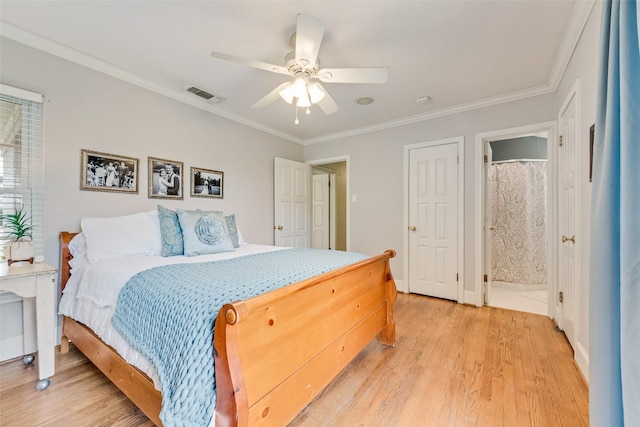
519 231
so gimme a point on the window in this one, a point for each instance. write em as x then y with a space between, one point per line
22 159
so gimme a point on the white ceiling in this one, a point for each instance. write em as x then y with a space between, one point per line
462 54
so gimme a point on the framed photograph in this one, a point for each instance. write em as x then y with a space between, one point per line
108 172
165 179
207 183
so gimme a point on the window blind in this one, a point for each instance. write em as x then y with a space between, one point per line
22 159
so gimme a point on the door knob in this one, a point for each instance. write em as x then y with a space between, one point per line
279 227
412 228
571 239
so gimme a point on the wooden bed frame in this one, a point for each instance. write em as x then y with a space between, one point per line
274 353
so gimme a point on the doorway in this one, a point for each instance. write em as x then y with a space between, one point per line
330 195
516 212
526 280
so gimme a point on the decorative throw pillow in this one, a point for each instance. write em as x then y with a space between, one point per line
232 229
204 232
171 232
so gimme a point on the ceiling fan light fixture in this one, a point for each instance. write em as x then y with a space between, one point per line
315 93
299 87
303 101
287 94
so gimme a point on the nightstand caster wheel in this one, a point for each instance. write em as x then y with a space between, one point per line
28 359
43 384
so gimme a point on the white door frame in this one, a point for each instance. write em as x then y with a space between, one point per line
459 140
552 213
487 234
346 159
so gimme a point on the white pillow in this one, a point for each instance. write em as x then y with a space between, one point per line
78 249
137 234
78 246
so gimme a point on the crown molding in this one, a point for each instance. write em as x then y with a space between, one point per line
60 50
581 11
579 17
455 109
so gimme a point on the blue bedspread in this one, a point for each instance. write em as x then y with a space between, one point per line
168 314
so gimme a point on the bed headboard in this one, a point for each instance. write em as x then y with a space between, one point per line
65 257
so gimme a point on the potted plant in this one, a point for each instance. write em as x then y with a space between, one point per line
17 228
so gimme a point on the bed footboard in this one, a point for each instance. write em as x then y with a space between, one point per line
276 352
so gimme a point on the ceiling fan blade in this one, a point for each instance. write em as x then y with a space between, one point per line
353 75
327 104
270 97
251 63
309 32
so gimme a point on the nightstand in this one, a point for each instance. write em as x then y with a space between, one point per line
36 284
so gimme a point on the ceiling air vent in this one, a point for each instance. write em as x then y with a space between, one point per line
214 99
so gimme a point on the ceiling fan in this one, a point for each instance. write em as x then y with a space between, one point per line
304 66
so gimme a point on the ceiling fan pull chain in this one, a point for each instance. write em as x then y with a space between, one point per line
296 120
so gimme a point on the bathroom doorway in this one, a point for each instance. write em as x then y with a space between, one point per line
516 223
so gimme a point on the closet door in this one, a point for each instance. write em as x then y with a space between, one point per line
433 221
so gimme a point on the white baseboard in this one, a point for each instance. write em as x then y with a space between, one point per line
582 360
469 297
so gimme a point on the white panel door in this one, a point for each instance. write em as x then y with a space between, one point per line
433 221
292 203
567 155
321 216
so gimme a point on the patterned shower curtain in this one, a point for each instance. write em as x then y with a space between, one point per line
519 198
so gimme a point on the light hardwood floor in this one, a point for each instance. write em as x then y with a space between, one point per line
453 365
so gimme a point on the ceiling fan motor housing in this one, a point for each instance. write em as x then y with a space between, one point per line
300 67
